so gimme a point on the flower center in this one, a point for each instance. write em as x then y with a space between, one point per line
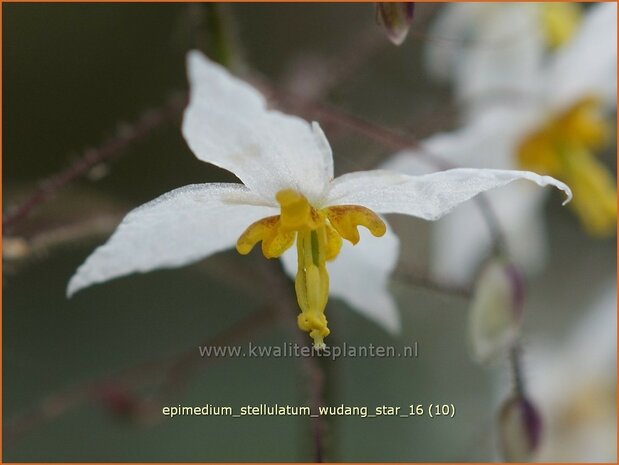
564 148
319 235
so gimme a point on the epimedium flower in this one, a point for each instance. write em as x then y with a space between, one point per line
489 48
288 196
556 125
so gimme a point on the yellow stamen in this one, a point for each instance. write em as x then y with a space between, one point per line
333 242
595 194
275 239
297 213
559 21
319 236
584 123
346 218
312 284
563 148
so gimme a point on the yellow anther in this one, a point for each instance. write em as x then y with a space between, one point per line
255 233
585 123
319 236
297 213
595 194
333 243
559 21
538 153
276 244
346 218
563 149
275 240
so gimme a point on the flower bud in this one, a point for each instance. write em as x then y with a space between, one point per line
495 316
396 18
520 428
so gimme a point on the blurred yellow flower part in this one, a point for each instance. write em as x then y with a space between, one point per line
565 148
560 20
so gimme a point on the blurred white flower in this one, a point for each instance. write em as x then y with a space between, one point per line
554 126
574 383
288 194
486 49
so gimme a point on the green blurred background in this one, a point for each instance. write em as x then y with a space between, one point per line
72 74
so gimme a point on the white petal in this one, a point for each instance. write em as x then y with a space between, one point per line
462 240
591 352
597 331
412 161
180 227
588 64
487 48
489 140
227 124
359 276
446 38
429 196
506 55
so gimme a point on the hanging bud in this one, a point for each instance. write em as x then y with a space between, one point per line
495 316
520 428
396 18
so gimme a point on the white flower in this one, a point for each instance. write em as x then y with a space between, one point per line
574 383
490 48
288 195
553 127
